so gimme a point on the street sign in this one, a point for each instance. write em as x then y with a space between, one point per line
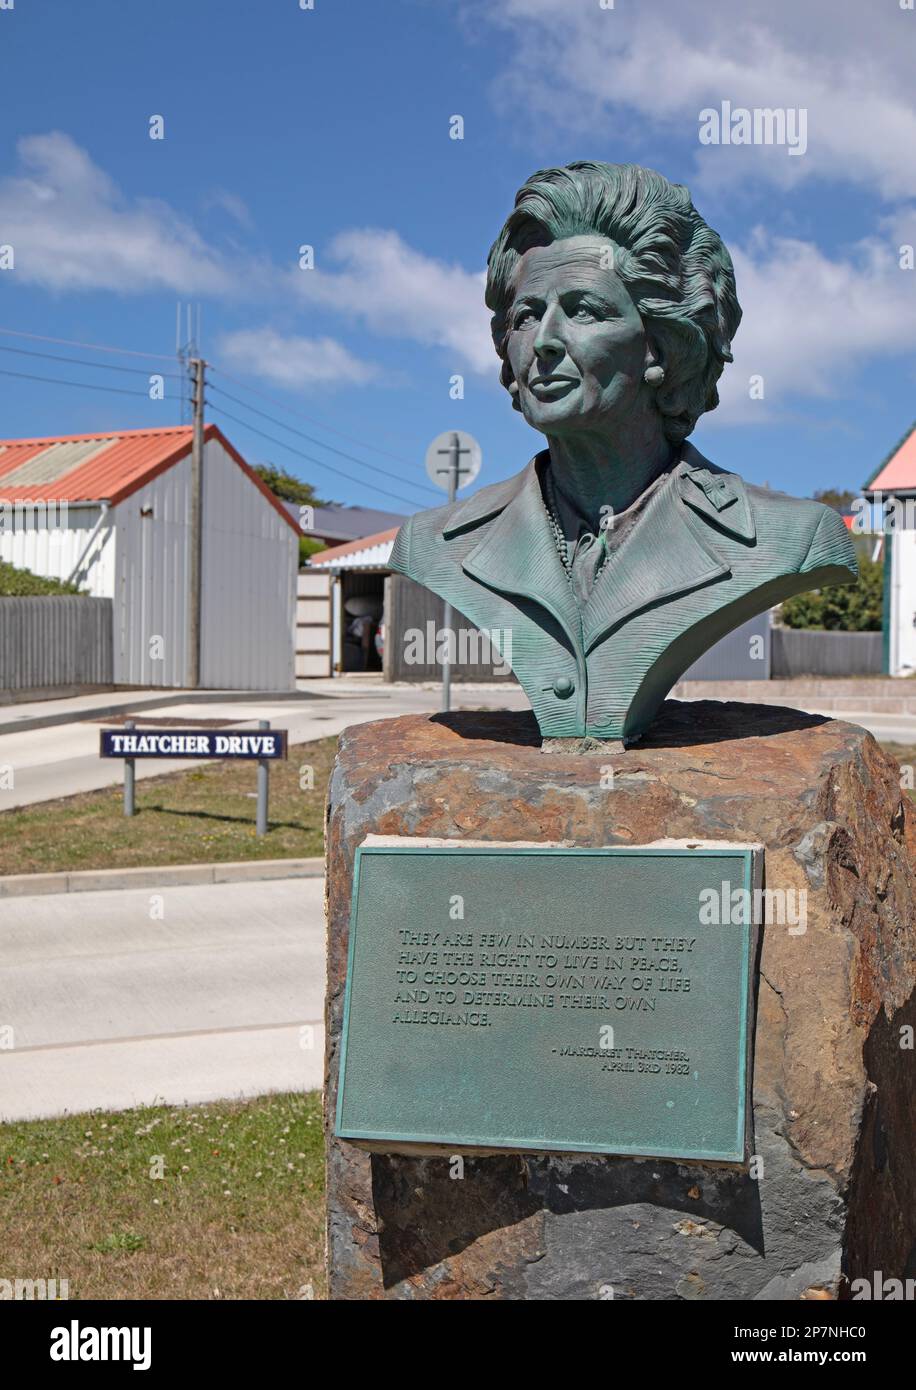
453 460
192 743
263 746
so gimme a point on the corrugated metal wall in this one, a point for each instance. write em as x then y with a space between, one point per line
248 577
410 607
741 655
803 652
139 558
55 641
902 616
150 589
53 551
250 564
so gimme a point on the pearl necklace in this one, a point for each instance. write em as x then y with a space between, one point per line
559 537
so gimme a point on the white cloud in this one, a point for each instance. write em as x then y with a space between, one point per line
71 229
649 69
291 362
810 322
399 292
618 81
230 204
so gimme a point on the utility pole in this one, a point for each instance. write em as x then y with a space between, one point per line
195 529
452 476
454 449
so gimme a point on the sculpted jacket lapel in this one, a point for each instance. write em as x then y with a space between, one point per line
517 555
668 552
661 557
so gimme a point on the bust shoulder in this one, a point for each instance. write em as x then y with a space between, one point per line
816 534
805 534
423 529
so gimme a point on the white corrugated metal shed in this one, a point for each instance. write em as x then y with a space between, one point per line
370 553
122 504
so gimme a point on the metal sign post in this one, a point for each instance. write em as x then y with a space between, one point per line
451 475
263 785
130 773
129 743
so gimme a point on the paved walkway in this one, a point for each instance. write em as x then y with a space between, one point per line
64 759
70 709
112 1005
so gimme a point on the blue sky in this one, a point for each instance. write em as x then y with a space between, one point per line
331 127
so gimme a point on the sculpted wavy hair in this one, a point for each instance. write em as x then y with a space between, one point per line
675 267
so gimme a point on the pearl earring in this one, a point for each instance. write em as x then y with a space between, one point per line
653 376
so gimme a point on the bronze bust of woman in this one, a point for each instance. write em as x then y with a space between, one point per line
619 554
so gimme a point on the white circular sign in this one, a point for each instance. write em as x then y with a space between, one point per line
445 450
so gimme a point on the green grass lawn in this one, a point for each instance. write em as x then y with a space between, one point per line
237 1213
203 815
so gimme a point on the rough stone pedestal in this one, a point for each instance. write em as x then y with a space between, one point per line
833 1081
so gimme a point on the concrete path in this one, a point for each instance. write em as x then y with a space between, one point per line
164 876
62 760
69 709
886 728
199 993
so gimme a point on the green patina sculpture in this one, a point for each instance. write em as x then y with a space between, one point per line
619 554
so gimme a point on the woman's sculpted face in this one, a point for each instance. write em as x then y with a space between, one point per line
577 346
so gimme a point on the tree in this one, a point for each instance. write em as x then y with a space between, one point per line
842 608
287 487
840 499
309 545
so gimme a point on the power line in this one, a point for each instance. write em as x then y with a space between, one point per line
84 362
93 347
125 391
275 400
360 482
161 357
375 468
84 385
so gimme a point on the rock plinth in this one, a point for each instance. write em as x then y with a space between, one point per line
830 1193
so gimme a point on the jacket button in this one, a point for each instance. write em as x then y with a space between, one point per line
563 687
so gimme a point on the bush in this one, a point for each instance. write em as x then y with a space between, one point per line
843 608
15 583
309 545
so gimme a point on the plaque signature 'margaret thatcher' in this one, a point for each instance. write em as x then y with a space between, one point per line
620 553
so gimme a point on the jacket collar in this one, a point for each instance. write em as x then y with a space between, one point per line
718 496
490 500
516 554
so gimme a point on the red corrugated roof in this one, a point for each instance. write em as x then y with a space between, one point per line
337 552
131 459
898 473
